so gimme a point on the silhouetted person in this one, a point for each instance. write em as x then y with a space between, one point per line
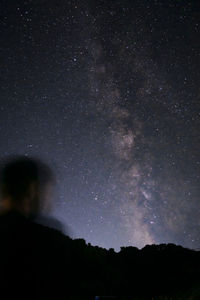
36 261
42 201
38 204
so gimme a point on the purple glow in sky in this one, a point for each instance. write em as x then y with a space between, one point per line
107 93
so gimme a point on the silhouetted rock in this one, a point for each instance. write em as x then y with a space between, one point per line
37 260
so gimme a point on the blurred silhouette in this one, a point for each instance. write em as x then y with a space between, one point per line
35 259
27 186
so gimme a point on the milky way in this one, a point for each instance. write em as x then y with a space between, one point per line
107 92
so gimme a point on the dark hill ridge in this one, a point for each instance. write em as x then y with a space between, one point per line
38 260
164 269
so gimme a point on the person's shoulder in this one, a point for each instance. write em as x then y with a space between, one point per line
48 221
47 234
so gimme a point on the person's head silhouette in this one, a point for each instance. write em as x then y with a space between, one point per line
24 185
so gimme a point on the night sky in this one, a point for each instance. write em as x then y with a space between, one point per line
107 93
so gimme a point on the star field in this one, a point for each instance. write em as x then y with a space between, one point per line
107 93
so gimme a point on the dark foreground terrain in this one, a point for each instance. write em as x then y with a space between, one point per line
163 271
40 262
